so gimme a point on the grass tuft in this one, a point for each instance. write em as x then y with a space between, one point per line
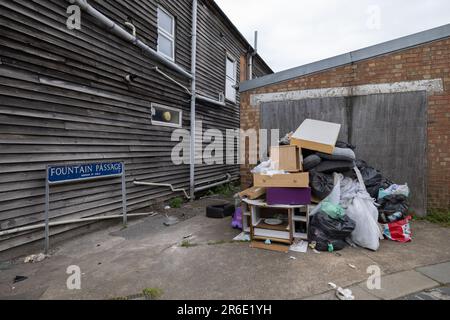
176 203
226 190
440 217
188 244
153 293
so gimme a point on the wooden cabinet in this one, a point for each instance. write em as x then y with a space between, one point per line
295 221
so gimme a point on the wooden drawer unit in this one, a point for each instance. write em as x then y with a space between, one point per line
293 180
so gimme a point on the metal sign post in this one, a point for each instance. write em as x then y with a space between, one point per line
71 173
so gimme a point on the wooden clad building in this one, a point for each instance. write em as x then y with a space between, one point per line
69 96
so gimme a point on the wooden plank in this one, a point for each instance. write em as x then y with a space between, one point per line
271 247
395 125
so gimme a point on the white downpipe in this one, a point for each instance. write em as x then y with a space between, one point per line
251 57
167 185
228 179
122 33
61 223
193 97
206 187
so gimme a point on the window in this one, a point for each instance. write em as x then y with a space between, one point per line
230 82
166 116
166 34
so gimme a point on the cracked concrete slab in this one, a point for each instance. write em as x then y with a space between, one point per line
358 293
442 293
400 284
438 272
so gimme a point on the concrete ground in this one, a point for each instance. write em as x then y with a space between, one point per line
118 263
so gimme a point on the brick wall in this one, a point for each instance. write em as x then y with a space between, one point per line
428 61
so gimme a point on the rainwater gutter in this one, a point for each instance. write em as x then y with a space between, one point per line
122 33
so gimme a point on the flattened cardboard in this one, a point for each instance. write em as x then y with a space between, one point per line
293 180
317 136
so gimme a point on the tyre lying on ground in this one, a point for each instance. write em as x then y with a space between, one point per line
220 211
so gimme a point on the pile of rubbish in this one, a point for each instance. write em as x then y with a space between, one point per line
352 202
370 206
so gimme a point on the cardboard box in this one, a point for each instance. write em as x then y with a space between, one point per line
317 135
253 193
288 196
293 180
287 158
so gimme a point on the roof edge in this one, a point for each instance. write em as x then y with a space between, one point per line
228 21
350 57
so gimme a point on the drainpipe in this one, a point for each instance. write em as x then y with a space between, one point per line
251 56
193 96
122 33
228 178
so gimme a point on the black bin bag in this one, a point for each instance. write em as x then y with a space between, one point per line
321 184
373 179
325 230
393 208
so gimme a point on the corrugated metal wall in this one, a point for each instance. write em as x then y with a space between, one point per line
63 98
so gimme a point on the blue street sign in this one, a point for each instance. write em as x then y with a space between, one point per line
79 172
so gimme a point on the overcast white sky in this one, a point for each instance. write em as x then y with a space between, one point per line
296 32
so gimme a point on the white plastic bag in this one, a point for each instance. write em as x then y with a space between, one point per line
395 189
267 168
362 210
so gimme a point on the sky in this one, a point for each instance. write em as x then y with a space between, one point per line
295 32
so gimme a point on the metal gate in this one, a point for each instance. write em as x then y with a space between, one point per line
389 130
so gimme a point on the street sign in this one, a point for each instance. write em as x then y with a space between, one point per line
80 172
72 173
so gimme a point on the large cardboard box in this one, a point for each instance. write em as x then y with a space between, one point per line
287 158
293 180
317 135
